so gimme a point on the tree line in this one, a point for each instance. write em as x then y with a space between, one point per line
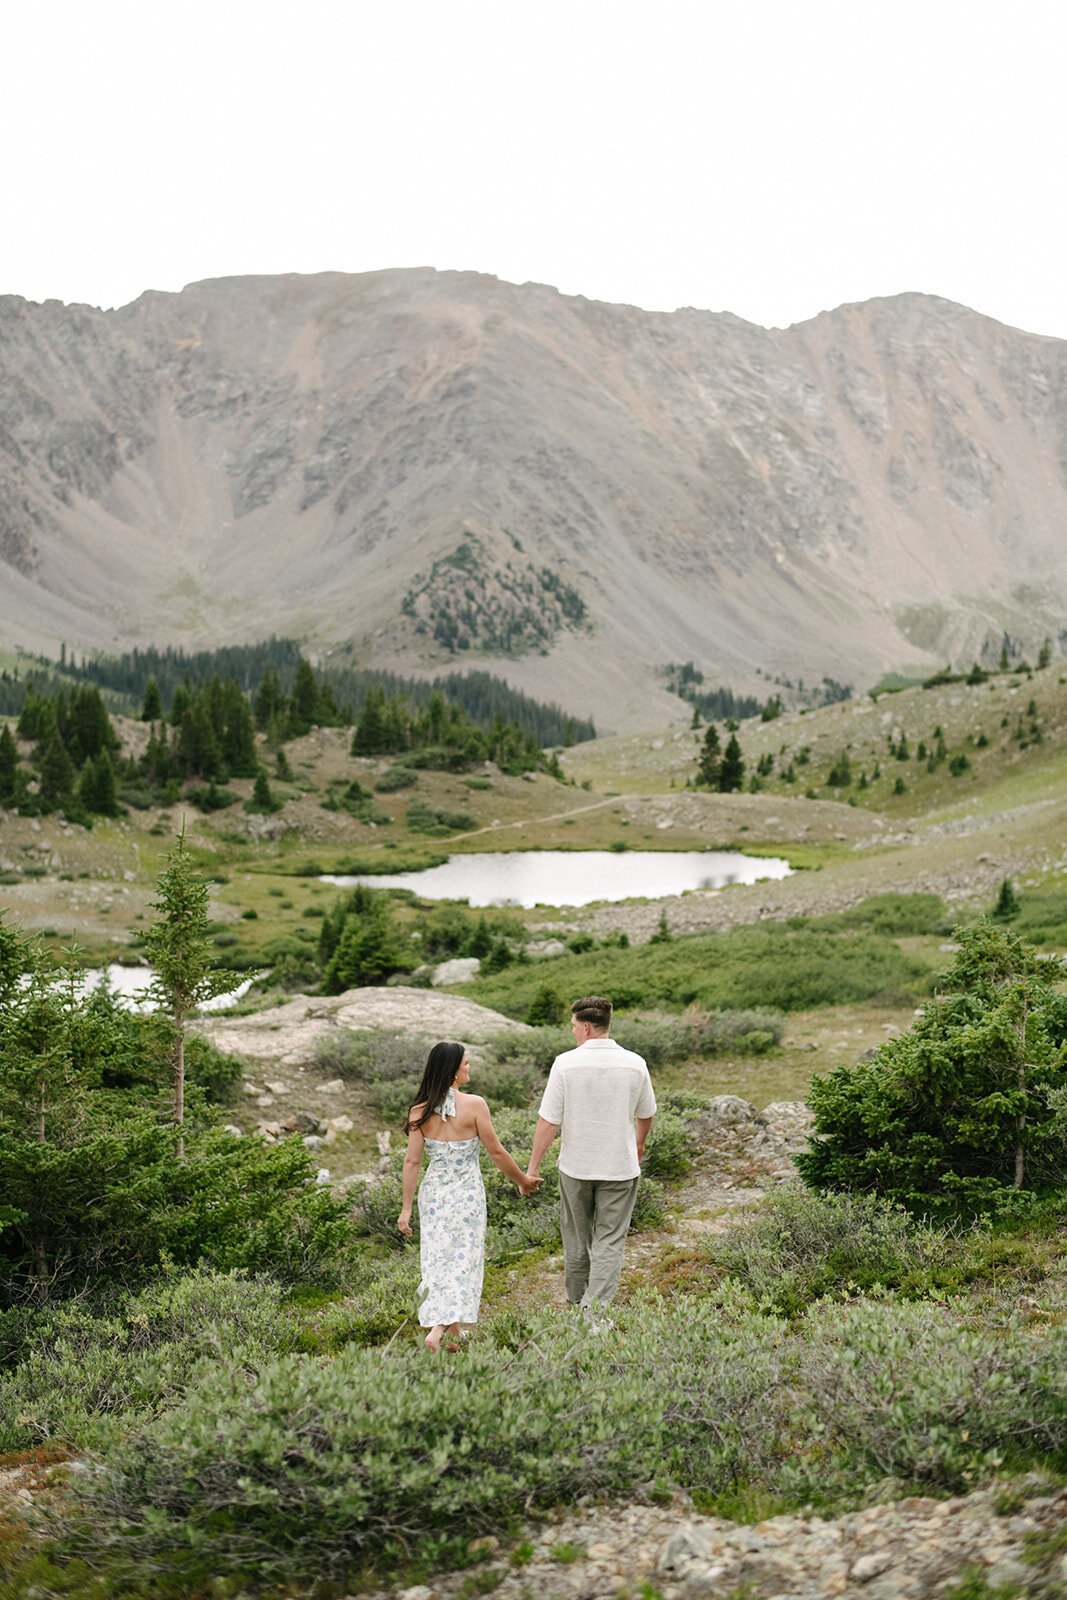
280 662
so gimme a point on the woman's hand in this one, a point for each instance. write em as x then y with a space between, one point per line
528 1185
403 1222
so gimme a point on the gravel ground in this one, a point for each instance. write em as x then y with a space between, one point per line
1011 1538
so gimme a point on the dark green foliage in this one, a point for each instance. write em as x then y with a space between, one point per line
732 770
97 789
958 765
358 941
710 764
56 769
438 821
772 710
9 761
152 704
840 774
1007 907
546 1008
94 1189
713 704
262 800
967 1106
210 797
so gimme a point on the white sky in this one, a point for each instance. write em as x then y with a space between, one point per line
767 158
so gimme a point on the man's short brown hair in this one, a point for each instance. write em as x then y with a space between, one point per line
594 1009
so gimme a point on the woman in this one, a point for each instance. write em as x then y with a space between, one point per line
452 1196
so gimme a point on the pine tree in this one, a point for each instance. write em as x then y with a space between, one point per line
152 706
1007 906
196 750
262 798
269 698
179 946
710 763
368 737
57 770
238 742
1044 655
732 771
97 787
965 1107
304 704
9 762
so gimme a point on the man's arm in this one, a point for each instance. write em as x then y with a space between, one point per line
642 1125
544 1134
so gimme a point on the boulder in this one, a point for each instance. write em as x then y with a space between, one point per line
338 1125
461 970
730 1111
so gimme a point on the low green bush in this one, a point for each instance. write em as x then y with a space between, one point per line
395 778
769 966
901 1392
372 1055
80 1375
438 821
800 1246
307 1468
669 1148
896 915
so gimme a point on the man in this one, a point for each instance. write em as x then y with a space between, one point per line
601 1096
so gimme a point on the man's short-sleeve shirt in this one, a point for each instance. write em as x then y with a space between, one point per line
593 1095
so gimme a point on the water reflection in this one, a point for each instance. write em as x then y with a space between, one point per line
131 984
575 877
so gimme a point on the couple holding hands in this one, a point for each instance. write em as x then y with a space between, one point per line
600 1096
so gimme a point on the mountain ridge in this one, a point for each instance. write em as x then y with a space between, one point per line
880 487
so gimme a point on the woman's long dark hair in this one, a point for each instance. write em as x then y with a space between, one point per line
438 1076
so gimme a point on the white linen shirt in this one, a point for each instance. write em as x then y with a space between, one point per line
593 1095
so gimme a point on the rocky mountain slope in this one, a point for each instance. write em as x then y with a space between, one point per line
441 468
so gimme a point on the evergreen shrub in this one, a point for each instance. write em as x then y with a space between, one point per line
968 1109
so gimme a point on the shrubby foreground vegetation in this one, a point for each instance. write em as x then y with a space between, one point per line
233 1348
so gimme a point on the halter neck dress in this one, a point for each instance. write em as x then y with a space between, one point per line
451 1228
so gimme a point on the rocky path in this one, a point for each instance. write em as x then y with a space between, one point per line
1009 1541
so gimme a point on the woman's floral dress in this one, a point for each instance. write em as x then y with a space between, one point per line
451 1229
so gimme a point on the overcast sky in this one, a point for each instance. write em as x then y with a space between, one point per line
770 159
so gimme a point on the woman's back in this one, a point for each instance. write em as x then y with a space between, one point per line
453 1129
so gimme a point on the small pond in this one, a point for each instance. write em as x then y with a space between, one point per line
575 877
131 984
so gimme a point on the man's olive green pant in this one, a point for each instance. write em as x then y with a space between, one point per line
594 1216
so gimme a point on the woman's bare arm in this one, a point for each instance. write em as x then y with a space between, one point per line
412 1168
496 1152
